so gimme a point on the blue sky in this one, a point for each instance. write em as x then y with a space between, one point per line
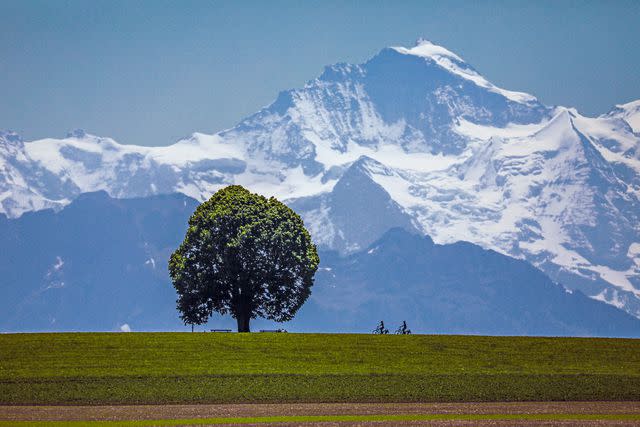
151 72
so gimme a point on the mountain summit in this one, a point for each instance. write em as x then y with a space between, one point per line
413 138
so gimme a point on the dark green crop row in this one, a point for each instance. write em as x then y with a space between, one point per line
91 368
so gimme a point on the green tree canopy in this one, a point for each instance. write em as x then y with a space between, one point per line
243 255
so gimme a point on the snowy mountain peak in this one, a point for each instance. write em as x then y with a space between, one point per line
629 112
10 137
633 106
556 129
371 166
454 64
427 49
413 138
77 133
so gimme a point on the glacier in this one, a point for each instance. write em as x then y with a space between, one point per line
413 138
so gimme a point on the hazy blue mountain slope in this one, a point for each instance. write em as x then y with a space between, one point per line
413 137
100 263
456 288
97 264
356 211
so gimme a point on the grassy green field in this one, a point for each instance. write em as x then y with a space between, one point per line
140 368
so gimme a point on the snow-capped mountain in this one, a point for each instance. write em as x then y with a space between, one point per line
414 138
60 280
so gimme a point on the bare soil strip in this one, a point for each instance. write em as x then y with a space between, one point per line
157 412
456 423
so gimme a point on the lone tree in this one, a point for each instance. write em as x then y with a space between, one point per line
245 255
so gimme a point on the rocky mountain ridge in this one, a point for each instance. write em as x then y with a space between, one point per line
413 138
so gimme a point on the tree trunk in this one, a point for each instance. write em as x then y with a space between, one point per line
243 322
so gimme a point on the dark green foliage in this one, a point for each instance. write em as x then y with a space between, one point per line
243 255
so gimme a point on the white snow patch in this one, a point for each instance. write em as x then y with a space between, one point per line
613 300
56 267
287 184
199 147
54 285
634 253
631 114
454 64
616 278
125 328
472 130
